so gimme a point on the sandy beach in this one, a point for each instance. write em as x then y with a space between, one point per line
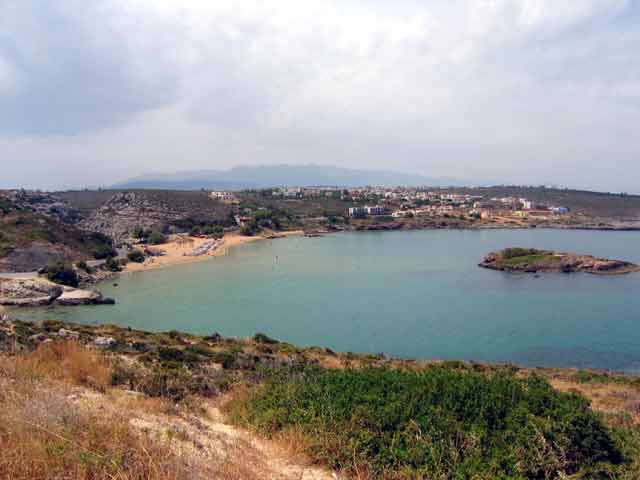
177 250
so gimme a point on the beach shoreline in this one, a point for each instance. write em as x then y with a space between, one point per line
177 251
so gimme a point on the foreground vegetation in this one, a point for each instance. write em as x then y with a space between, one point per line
439 423
74 410
45 434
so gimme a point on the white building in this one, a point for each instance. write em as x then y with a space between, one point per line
375 210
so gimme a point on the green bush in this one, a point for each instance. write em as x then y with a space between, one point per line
82 265
62 273
112 265
262 338
136 256
442 423
98 245
516 252
156 238
5 206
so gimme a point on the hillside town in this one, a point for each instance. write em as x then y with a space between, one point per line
403 202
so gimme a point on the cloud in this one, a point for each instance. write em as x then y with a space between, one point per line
72 67
516 90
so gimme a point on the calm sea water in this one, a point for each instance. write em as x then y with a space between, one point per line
410 294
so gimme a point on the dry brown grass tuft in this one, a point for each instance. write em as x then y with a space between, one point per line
60 420
62 361
44 433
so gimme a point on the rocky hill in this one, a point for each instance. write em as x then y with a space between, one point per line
33 233
157 210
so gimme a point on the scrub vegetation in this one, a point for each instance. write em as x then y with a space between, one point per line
20 229
439 423
83 411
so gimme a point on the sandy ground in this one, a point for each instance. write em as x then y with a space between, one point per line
176 251
205 438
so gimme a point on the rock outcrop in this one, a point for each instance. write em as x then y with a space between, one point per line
125 211
529 260
41 292
47 204
75 296
29 293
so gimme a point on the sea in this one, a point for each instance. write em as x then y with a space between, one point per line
409 294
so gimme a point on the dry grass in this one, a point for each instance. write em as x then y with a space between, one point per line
61 361
44 433
60 419
606 397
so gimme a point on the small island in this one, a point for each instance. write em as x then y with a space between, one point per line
531 260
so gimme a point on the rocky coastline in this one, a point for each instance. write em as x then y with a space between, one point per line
38 292
530 260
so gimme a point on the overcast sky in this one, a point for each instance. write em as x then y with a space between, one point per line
523 91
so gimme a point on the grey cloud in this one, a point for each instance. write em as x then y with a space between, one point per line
72 70
513 90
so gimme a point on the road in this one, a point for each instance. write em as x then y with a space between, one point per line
19 275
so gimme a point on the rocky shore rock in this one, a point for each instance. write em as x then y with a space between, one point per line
529 260
41 292
30 293
74 296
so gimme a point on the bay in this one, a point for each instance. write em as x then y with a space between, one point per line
416 294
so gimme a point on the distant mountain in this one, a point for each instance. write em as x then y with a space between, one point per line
281 175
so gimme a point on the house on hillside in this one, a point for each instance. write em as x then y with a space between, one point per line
357 212
374 210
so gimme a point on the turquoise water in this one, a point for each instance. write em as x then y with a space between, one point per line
410 294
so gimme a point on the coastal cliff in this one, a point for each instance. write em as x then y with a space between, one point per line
531 260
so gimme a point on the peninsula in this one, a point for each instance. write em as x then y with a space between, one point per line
531 260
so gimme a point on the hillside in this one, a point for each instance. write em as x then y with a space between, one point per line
29 240
119 213
597 204
170 405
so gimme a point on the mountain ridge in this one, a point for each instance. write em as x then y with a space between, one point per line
265 176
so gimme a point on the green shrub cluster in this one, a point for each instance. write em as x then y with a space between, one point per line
98 245
112 265
442 423
136 256
516 252
5 206
62 273
150 236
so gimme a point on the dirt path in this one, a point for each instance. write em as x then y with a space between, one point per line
202 436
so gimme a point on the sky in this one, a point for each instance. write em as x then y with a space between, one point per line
517 91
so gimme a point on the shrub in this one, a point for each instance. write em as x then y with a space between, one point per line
441 423
156 238
262 338
112 265
5 206
99 245
136 256
82 265
250 228
62 273
516 252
